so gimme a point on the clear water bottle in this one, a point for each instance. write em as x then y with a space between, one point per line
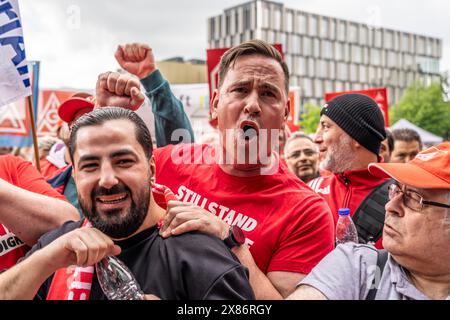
345 228
117 281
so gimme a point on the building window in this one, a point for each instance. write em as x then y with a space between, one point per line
353 33
321 68
365 55
327 49
339 50
412 44
405 42
295 44
316 43
324 28
247 18
346 53
332 70
396 41
265 17
302 27
289 21
307 46
363 35
421 45
238 21
270 36
301 66
342 72
312 26
375 57
378 38
342 31
353 72
388 40
311 71
318 90
362 73
356 54
212 29
307 87
392 59
228 24
277 19
332 29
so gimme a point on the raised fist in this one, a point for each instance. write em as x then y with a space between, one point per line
136 58
118 90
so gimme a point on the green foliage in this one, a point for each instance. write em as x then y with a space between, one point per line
425 107
310 119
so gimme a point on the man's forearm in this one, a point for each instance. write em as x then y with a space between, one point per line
29 215
23 281
261 284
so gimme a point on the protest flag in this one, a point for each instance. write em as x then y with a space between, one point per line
15 81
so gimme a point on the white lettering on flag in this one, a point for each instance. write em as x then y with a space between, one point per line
14 77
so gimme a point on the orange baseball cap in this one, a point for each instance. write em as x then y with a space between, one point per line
77 105
430 169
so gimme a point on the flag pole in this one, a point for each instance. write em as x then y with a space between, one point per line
33 132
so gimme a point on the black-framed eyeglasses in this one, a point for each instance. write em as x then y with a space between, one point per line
412 199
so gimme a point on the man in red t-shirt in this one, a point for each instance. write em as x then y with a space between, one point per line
29 208
349 137
288 227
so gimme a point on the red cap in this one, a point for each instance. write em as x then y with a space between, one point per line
77 105
430 169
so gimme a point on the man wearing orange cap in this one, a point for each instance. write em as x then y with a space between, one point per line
416 237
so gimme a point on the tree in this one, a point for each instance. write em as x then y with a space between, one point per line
425 107
310 119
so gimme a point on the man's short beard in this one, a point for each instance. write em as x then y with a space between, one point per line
339 157
116 224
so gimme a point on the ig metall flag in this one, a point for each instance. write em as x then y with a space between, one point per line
14 77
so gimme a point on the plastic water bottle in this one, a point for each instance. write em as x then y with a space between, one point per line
345 228
117 281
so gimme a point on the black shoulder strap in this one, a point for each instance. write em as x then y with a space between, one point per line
369 217
382 256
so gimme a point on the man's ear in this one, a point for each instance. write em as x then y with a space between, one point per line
214 103
287 110
152 171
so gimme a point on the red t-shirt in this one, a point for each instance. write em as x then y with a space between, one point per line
288 227
346 190
22 174
48 169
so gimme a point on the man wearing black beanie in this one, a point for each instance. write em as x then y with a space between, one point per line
349 137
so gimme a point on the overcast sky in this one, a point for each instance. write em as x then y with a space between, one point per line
75 39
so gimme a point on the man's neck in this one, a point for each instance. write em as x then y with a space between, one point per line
434 287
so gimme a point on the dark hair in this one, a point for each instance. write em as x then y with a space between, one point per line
252 47
101 115
390 139
295 136
407 135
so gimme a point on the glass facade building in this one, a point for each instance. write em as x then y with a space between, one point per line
327 54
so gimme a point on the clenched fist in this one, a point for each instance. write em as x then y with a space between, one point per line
136 58
118 90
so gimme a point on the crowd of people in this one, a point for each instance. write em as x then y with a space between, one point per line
245 217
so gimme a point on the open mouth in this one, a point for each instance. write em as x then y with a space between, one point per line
250 129
112 199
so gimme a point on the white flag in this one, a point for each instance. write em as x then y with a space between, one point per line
14 74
